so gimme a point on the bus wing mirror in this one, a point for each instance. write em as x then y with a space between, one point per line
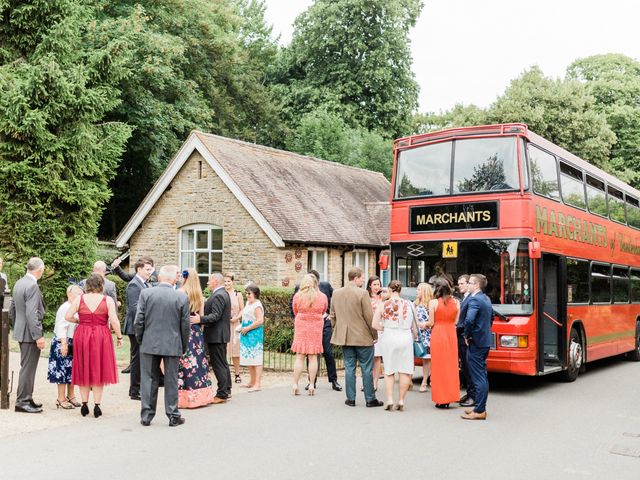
534 248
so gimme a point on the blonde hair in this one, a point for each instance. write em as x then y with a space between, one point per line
191 287
308 289
424 294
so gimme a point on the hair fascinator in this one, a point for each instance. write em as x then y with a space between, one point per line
185 274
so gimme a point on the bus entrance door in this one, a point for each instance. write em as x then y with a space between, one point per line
551 314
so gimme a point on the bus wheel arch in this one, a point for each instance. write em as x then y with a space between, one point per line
576 352
634 355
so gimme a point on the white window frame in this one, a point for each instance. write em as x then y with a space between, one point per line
365 268
313 255
200 227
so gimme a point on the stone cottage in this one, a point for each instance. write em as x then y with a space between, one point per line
268 215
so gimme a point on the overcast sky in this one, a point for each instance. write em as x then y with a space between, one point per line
467 51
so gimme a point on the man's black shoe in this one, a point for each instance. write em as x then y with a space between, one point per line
175 421
145 423
28 409
336 386
375 403
469 402
35 404
134 397
350 403
126 370
464 398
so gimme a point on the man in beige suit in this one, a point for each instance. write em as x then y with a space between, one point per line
351 317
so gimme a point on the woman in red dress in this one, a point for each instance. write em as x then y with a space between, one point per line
94 359
443 316
309 307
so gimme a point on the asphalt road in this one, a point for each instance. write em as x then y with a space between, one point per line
537 428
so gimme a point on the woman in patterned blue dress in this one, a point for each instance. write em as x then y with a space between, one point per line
61 353
424 293
252 337
194 384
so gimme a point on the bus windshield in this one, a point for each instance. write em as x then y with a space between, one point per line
458 167
505 263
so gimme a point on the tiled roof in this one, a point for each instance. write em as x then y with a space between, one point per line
307 200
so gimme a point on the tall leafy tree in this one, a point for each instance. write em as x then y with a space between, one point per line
57 154
197 64
351 58
614 81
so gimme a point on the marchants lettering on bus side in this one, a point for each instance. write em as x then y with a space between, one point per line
453 217
569 227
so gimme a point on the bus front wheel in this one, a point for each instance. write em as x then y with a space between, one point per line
634 356
576 356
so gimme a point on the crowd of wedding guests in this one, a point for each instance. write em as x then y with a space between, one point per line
176 336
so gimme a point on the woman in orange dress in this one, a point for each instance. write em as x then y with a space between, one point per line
309 307
443 317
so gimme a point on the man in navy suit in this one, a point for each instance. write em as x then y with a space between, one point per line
467 399
477 334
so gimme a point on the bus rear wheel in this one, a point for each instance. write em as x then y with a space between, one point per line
576 356
634 356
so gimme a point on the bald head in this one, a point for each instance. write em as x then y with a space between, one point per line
100 268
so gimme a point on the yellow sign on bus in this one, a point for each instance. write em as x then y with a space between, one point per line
449 249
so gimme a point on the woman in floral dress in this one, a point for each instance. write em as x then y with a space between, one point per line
252 337
194 384
424 294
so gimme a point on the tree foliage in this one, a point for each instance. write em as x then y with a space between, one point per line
352 59
58 80
197 64
614 82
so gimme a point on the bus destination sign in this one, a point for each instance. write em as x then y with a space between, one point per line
455 216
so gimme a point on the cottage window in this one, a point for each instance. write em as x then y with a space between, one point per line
201 248
360 259
317 260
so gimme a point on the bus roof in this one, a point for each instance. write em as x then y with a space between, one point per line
516 129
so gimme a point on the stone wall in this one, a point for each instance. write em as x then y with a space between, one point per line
248 252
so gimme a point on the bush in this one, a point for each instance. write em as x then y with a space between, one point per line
278 326
121 291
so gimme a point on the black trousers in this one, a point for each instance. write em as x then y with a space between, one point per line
218 361
464 366
327 352
134 386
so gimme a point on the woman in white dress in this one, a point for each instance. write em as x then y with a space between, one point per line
252 337
396 317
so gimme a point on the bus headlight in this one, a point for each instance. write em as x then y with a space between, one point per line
514 341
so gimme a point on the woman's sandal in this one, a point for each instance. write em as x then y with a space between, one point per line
423 388
74 402
238 379
65 404
442 405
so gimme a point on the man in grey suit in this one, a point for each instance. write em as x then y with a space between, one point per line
162 329
109 288
27 312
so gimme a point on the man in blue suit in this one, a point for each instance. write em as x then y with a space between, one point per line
467 399
477 334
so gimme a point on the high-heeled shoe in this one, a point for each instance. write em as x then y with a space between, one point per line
312 390
73 402
65 404
85 409
238 379
97 412
442 405
388 406
399 406
294 390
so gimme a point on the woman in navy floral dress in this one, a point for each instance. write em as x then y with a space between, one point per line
424 293
194 384
61 353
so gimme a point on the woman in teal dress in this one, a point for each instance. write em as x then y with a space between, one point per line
252 337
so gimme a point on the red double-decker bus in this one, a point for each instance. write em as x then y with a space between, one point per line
557 238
